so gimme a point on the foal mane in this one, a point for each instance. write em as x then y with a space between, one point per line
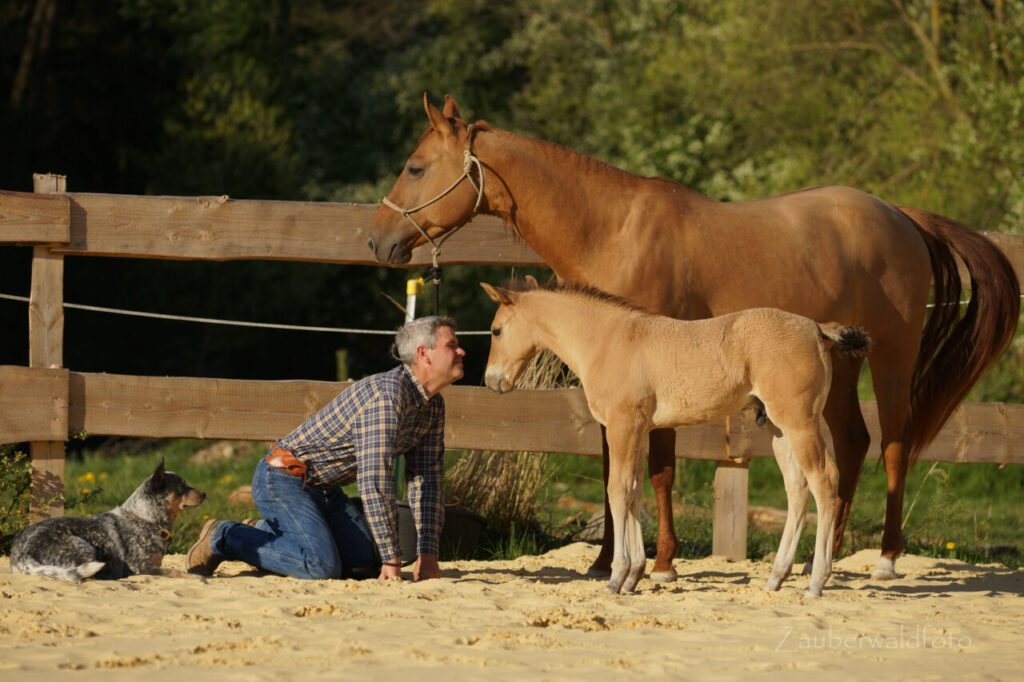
581 290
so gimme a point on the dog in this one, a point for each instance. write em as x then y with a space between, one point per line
127 540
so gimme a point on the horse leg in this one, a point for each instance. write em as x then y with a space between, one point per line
602 566
797 499
624 497
892 390
822 477
662 470
850 438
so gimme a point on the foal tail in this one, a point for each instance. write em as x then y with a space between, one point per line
956 349
846 341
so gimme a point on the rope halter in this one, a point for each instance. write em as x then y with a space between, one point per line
469 159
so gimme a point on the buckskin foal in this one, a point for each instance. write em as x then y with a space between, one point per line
641 372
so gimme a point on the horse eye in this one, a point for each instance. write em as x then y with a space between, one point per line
496 332
414 171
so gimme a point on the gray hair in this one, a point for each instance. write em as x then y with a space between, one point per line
419 332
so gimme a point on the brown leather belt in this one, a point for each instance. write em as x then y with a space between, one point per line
285 460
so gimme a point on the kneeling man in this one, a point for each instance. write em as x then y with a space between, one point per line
310 528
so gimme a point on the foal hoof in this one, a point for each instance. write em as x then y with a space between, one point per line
602 573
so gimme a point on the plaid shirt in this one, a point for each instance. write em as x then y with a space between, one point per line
358 436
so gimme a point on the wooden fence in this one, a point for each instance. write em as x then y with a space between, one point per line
44 402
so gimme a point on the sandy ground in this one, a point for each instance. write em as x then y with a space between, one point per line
534 618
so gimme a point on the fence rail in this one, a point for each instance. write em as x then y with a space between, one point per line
45 402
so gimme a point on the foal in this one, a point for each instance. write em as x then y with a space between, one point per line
642 372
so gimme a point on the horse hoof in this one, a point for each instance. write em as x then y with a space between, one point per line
885 569
664 576
603 573
773 585
813 594
808 567
611 588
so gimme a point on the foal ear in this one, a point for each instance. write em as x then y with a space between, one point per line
438 121
531 282
451 107
499 296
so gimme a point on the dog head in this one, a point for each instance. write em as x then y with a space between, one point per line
164 494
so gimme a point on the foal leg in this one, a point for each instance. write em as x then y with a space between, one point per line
812 456
797 499
661 465
662 471
624 496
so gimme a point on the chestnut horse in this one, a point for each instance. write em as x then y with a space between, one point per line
827 253
640 372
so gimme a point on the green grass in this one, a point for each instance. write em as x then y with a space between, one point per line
966 511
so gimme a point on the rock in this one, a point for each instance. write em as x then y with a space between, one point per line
241 496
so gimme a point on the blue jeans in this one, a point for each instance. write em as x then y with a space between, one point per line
305 532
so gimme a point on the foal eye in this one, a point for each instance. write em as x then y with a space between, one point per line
414 171
496 332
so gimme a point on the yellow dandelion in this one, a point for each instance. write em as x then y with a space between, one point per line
950 545
83 491
205 516
225 479
104 475
87 478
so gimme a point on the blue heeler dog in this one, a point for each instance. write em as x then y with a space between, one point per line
128 540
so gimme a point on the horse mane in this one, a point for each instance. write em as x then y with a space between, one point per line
580 290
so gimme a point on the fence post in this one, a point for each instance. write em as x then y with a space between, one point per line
46 349
729 515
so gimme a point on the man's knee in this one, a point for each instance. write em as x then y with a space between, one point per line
322 568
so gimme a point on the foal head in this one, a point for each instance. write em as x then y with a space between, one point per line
419 194
512 339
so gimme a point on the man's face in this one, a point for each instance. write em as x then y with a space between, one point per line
446 356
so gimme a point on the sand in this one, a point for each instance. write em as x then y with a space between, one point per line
534 618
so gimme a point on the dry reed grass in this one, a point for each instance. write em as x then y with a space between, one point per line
503 486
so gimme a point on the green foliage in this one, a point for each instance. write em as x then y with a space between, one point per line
15 485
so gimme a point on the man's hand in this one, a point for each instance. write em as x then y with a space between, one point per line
393 571
426 568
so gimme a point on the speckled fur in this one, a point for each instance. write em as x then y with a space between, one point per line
127 540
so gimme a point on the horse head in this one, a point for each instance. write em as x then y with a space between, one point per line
439 189
512 339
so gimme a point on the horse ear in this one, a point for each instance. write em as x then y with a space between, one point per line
531 282
438 120
451 107
499 296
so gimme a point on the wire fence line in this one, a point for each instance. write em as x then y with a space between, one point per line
262 325
234 323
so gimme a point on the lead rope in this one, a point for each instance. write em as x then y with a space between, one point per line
469 159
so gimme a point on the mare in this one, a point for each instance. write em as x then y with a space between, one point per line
641 372
828 253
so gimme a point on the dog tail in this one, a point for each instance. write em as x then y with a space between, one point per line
72 574
848 341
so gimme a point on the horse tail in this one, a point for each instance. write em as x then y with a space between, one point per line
956 349
846 341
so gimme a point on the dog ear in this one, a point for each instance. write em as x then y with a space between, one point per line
156 481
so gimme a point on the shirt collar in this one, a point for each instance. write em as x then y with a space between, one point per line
421 391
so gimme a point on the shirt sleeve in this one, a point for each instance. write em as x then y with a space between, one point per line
423 475
375 431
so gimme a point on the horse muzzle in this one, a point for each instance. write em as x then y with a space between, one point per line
497 381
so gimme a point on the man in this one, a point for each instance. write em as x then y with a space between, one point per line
310 528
